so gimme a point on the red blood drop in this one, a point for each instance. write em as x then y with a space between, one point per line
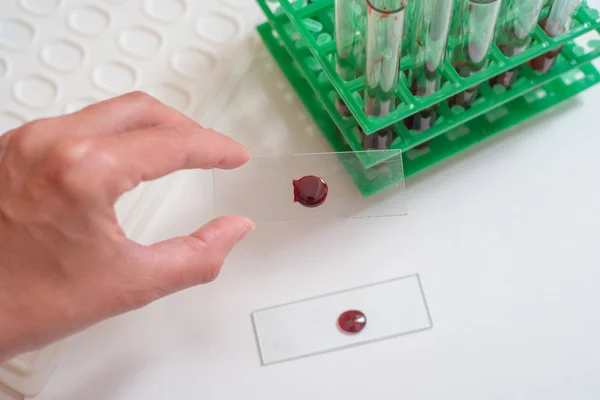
310 191
352 321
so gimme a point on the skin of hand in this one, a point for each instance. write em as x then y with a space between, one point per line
65 263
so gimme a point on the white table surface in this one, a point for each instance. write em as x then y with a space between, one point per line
504 238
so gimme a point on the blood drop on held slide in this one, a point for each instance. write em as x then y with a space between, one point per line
310 191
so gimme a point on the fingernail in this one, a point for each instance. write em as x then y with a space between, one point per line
249 150
247 231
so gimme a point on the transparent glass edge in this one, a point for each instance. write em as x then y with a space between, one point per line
372 157
346 346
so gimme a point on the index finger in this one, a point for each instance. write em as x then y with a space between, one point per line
121 162
130 111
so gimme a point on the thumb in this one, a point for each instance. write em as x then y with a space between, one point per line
187 261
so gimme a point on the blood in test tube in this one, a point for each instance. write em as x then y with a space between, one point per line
518 20
424 119
431 26
467 97
310 191
544 62
558 22
408 26
422 146
352 321
506 79
473 36
384 30
350 43
380 140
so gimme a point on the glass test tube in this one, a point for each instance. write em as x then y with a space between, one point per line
473 36
518 21
558 22
385 19
350 19
431 28
407 28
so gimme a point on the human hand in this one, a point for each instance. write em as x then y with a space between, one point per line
65 263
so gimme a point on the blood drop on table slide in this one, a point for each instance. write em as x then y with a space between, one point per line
310 191
352 321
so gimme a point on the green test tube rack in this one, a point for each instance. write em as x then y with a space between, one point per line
300 36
